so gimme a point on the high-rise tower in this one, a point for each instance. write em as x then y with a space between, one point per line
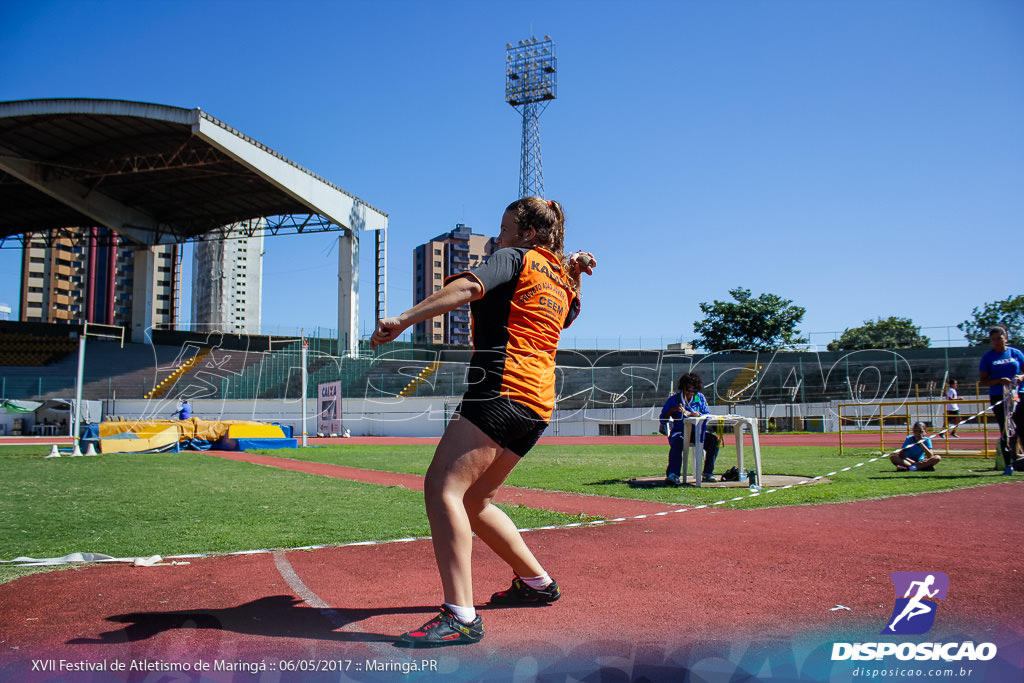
227 284
530 83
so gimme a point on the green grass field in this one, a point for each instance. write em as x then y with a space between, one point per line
606 471
167 504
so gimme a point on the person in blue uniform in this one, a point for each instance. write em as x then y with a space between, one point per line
185 411
689 402
1002 367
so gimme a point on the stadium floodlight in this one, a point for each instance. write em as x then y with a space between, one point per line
530 84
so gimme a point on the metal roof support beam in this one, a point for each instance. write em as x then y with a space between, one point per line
142 163
267 226
142 296
381 272
348 294
128 222
331 201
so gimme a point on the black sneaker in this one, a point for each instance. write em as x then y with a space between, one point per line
444 629
522 594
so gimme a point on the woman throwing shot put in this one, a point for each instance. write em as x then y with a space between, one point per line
521 299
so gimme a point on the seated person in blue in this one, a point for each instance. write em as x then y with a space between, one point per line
916 455
689 402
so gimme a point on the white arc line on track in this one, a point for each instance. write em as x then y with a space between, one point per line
308 596
304 592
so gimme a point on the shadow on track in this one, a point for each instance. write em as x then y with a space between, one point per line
278 616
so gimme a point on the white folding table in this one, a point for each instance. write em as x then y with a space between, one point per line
737 422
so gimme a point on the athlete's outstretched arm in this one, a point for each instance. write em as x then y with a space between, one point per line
457 292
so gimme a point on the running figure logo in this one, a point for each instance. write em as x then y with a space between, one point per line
916 596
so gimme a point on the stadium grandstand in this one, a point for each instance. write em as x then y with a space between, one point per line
39 361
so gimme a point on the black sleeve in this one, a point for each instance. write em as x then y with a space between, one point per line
503 266
574 311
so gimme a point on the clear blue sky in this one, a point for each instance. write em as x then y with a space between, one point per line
863 158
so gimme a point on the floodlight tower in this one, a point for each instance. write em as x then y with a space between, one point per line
530 84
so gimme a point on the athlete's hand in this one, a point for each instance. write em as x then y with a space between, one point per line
387 330
576 261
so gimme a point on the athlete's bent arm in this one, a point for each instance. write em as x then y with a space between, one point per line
457 292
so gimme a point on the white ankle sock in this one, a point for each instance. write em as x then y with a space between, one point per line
537 582
464 614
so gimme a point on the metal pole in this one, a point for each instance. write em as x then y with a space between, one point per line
304 380
632 403
803 394
77 411
984 432
881 427
839 409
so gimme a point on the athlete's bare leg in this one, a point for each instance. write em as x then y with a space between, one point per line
492 525
462 457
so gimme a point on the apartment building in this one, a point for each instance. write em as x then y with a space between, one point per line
95 278
447 254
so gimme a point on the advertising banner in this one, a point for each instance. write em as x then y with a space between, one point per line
328 420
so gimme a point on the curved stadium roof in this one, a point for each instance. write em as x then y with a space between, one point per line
152 173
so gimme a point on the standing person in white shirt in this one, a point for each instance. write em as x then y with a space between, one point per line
952 408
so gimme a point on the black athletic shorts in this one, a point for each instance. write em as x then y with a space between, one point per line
510 424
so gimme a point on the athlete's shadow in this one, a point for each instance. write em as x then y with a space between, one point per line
278 616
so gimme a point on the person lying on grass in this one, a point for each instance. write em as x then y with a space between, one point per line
916 454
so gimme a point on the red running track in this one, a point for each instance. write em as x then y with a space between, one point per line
709 594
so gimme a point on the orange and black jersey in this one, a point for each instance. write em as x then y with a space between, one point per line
527 301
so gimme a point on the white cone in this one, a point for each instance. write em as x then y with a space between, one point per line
89 450
54 453
77 452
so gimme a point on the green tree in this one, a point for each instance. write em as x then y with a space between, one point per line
891 333
762 324
1009 313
